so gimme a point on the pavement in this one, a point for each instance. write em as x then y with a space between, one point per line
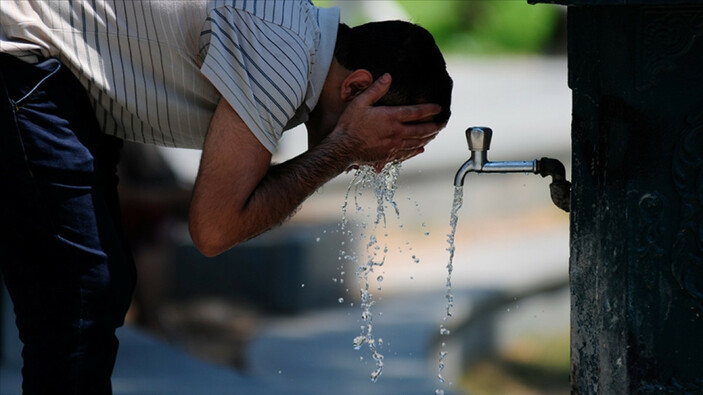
509 238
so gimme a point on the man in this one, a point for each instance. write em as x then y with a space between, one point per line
78 77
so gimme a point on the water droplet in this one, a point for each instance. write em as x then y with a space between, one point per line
279 372
340 300
317 239
302 285
359 341
376 374
439 392
379 278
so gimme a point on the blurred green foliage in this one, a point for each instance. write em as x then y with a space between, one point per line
481 26
486 26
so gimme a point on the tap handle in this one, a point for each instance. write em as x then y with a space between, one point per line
479 138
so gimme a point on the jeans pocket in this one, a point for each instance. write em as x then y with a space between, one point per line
49 127
55 123
24 80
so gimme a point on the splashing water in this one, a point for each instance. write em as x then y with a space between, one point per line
384 185
453 220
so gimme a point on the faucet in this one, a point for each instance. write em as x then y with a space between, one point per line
479 139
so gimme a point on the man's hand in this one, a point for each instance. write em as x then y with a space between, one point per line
377 135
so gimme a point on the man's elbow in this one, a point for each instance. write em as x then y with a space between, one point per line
210 243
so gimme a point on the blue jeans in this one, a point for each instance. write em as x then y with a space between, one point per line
66 263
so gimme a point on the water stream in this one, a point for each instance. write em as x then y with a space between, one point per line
443 331
453 219
384 185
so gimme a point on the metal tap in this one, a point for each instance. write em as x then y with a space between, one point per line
479 139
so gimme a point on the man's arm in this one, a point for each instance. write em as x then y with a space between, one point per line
238 194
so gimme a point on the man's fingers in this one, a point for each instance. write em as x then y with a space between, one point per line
398 156
414 145
416 113
414 153
375 92
383 133
419 131
419 113
402 156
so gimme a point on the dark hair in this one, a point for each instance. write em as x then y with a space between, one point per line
405 50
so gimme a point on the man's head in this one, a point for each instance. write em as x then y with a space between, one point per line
363 53
405 50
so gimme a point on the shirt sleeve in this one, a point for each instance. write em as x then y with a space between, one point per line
259 67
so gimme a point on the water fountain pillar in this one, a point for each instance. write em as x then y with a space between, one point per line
636 265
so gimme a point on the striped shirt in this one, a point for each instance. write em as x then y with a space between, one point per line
155 69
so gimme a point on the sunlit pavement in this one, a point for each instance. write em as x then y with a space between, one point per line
313 352
509 237
319 354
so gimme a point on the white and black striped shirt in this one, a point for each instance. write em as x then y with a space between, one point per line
155 69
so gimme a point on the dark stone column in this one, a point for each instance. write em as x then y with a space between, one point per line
636 72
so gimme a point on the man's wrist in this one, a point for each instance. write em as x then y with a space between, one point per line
340 149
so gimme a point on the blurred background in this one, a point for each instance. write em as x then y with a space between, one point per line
283 309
